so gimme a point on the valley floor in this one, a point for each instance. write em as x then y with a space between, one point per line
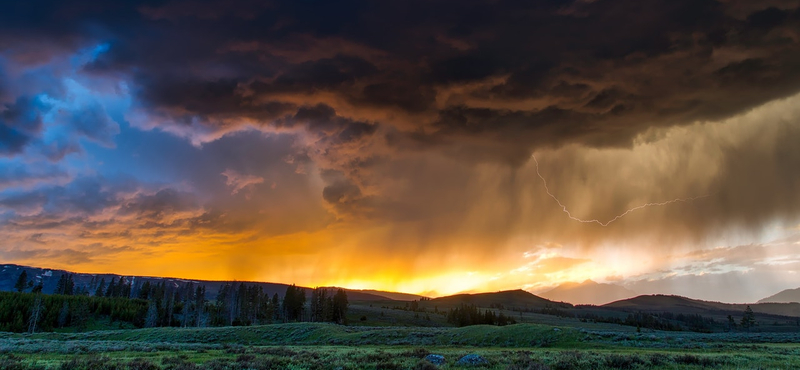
327 346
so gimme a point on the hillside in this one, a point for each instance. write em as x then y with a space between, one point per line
786 296
509 299
391 295
678 304
588 292
49 278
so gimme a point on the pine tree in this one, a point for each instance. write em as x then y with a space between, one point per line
276 304
339 308
63 315
112 287
200 305
100 288
22 281
144 291
293 303
748 318
80 315
69 285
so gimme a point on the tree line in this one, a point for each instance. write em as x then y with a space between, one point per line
466 315
123 303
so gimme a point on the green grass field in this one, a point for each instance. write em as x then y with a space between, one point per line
328 346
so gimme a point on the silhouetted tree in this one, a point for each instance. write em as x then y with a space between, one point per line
339 308
100 288
22 282
748 318
112 286
65 285
293 302
319 297
200 304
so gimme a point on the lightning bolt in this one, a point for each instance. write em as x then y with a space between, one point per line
601 223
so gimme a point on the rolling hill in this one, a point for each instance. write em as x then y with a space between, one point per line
508 299
588 292
786 296
678 304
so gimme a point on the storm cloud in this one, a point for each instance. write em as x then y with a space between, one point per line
401 131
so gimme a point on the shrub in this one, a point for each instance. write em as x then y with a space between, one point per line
233 349
623 362
216 364
245 358
658 359
425 365
417 353
90 363
142 364
388 365
11 362
523 362
276 351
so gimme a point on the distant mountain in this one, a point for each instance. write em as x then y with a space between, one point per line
508 299
786 296
588 292
391 295
49 278
678 304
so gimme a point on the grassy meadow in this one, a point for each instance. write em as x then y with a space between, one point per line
330 346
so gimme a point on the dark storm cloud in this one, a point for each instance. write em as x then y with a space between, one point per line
592 72
20 123
402 107
233 59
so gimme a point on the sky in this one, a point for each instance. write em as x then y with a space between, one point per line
416 146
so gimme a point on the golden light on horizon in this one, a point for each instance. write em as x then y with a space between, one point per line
436 156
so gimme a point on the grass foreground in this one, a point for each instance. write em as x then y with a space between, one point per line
328 346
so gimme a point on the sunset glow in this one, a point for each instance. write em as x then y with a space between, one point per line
374 147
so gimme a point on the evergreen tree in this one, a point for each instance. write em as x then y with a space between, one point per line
318 302
293 302
80 315
22 281
63 316
144 291
276 304
748 318
339 307
100 288
200 304
112 286
69 287
65 285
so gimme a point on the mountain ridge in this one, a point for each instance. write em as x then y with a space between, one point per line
9 274
784 296
680 304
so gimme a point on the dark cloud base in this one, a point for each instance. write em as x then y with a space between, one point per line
265 119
